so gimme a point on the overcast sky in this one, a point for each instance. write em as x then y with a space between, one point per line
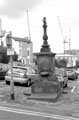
14 18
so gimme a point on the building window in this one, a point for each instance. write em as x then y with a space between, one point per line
28 53
20 52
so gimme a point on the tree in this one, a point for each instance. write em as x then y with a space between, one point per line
3 55
4 58
15 57
57 63
77 63
63 62
60 63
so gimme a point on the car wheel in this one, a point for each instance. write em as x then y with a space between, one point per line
77 77
7 82
74 77
29 82
65 85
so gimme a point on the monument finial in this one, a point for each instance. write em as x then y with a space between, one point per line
45 37
45 46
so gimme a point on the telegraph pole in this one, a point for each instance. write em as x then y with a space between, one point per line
10 52
11 83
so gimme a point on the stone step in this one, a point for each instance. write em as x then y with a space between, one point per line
44 97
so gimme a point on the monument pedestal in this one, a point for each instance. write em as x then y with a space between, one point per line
47 97
46 91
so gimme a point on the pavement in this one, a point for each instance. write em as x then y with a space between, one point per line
67 104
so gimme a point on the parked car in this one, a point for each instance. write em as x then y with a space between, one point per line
3 73
3 70
71 73
77 71
20 75
62 76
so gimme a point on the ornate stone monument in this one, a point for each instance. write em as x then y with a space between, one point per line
46 86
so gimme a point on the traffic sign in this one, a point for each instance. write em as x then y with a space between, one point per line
10 51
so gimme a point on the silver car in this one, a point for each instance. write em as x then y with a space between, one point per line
71 73
20 75
62 76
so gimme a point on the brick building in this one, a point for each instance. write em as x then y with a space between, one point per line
74 52
25 50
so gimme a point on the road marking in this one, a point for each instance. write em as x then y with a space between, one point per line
73 89
27 112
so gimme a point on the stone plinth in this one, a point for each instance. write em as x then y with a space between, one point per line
46 88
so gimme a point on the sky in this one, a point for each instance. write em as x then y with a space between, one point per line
13 15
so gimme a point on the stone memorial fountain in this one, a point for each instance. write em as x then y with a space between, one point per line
46 86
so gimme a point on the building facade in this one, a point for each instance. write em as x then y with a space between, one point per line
72 52
71 59
26 52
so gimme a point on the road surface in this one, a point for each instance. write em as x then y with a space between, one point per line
7 113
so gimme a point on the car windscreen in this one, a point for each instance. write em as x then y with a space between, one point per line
70 69
16 69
